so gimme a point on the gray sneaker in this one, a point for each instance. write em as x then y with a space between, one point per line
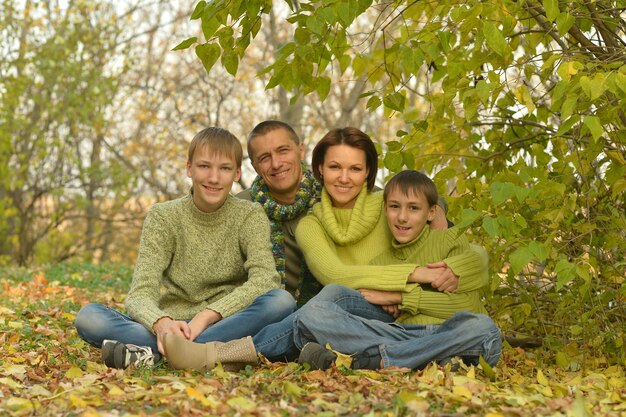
120 356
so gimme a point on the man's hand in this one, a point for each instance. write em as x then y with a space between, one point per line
447 281
165 325
381 298
201 321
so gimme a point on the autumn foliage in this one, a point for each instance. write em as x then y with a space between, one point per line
46 369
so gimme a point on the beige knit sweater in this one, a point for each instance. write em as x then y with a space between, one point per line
189 260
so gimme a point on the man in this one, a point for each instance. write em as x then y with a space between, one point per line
286 189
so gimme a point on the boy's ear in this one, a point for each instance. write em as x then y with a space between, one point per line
431 213
188 168
238 174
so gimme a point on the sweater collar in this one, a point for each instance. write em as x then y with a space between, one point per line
348 226
404 251
203 216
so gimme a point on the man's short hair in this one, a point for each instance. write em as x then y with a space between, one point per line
219 141
267 126
412 182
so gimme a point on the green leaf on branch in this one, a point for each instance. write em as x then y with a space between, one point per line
565 273
197 11
552 9
564 23
595 126
394 161
395 101
208 54
500 192
230 61
520 258
323 87
495 39
185 44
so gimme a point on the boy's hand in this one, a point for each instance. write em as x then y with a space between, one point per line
165 325
381 298
393 310
447 281
201 321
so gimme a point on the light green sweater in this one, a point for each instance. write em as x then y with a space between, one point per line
189 260
424 304
338 245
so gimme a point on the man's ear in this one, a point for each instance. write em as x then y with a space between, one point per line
301 149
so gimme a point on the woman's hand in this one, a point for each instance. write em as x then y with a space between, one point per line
381 298
166 325
447 281
201 321
438 275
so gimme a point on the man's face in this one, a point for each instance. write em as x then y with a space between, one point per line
276 158
407 215
212 176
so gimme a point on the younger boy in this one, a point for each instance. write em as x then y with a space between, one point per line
435 325
204 270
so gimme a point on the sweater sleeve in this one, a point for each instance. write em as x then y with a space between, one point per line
467 262
328 268
155 253
472 268
254 241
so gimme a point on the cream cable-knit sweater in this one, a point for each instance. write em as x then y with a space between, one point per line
189 260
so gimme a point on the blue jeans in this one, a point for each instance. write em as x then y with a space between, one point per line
466 335
276 341
96 322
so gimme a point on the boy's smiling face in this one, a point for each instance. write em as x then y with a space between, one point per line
407 215
212 176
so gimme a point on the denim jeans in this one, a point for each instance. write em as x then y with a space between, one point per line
96 322
466 335
276 341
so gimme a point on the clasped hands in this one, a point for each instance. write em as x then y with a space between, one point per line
191 330
437 274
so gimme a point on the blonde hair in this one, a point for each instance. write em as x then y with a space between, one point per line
219 141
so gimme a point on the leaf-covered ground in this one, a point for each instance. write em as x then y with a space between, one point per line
45 369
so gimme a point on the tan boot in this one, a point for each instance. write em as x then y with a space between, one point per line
184 354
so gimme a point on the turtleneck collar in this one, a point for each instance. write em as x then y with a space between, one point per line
404 251
347 226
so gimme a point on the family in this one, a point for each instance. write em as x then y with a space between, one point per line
303 260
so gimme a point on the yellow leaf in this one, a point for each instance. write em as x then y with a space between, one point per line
115 391
291 388
74 372
193 393
494 415
579 408
9 382
462 391
342 358
541 378
19 404
77 401
471 373
242 403
487 369
39 390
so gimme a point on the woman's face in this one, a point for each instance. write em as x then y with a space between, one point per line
344 172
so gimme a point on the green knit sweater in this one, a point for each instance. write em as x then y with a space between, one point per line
338 244
189 260
423 304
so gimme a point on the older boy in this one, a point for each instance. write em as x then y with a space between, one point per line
204 270
432 325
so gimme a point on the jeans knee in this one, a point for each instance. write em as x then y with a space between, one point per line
88 323
332 292
282 302
492 341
